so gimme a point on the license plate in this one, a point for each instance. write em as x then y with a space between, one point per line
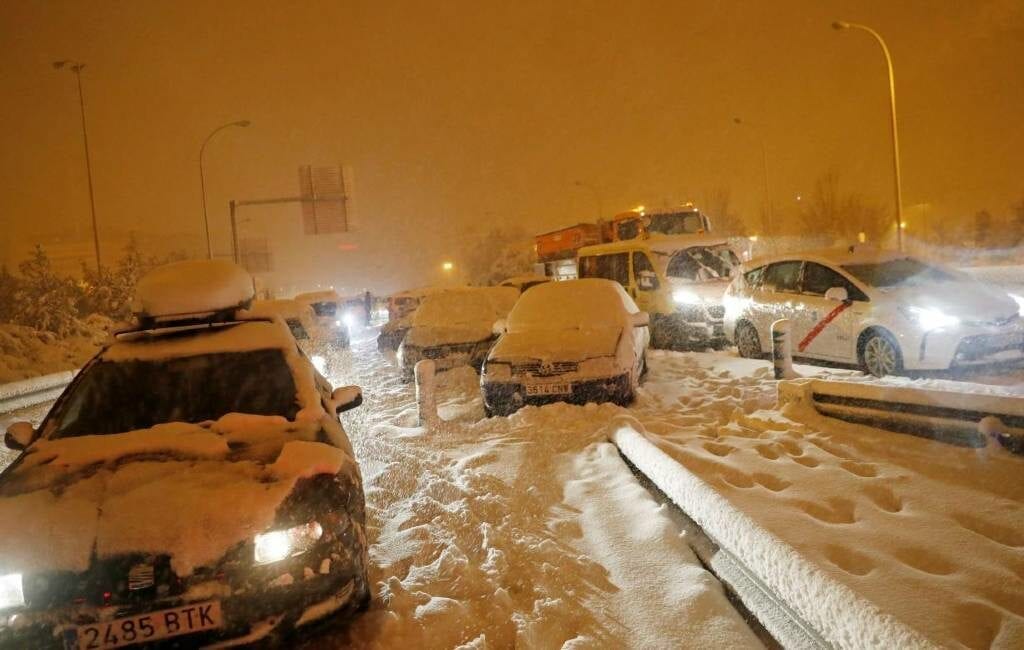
549 389
130 630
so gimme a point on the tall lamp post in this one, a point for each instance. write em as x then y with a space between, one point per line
841 25
768 209
597 197
202 178
76 68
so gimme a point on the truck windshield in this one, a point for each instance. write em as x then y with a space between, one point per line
703 263
115 397
676 223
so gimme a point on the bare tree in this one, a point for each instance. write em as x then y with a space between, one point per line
829 210
717 205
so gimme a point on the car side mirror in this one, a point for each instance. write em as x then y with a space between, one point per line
641 319
19 435
647 280
838 294
346 398
500 327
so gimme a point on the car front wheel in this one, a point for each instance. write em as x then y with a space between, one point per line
748 343
880 355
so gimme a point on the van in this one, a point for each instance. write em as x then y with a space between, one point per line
679 280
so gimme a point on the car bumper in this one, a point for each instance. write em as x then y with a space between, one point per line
965 347
503 397
686 329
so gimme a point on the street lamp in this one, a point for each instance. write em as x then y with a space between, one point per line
202 178
76 68
768 209
597 196
841 25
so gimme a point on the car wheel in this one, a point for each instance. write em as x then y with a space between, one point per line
880 355
748 343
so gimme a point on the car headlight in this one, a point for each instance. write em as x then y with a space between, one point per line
11 592
349 319
337 323
280 544
930 319
1020 303
685 297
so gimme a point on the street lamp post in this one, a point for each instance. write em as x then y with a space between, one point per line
768 209
840 25
202 178
76 68
597 197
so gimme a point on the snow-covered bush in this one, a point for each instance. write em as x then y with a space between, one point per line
42 299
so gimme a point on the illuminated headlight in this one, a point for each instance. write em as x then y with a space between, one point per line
11 593
685 297
350 319
930 319
1020 303
280 544
319 363
337 323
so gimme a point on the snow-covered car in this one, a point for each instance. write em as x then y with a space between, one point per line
330 313
192 485
883 311
678 279
455 327
576 341
524 282
317 342
401 307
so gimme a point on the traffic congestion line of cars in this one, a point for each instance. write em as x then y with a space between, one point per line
193 484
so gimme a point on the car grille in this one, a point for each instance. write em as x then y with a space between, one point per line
540 369
716 311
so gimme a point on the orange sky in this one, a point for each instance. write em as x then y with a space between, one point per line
462 114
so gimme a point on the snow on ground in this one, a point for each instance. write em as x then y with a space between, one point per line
928 533
521 532
25 352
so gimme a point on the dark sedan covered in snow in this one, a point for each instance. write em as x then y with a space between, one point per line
193 484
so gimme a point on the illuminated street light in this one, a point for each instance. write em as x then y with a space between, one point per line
841 25
76 68
202 178
768 209
447 266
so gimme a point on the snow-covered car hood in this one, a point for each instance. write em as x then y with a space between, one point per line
173 489
711 291
423 336
968 301
557 345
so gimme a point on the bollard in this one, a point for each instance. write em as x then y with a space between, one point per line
782 350
426 398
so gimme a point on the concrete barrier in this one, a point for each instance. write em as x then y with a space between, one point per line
36 390
782 350
426 396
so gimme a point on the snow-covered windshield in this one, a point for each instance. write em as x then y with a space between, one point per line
703 263
676 223
900 272
120 396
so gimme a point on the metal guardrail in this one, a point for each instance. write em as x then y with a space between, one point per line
37 390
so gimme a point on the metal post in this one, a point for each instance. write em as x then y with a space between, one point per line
892 118
782 350
234 231
202 179
426 397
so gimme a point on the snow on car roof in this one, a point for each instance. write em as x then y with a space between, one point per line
328 295
839 256
192 287
466 305
517 280
421 292
283 307
572 304
235 337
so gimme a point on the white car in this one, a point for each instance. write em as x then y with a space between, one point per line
883 311
576 341
455 327
317 341
330 313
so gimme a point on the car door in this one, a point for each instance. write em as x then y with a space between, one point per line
777 296
825 328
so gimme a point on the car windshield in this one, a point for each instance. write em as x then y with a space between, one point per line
898 273
325 308
120 396
703 263
676 223
297 330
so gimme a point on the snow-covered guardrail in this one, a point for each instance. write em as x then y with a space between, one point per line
29 392
962 418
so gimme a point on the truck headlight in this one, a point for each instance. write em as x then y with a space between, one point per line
685 297
930 319
280 544
11 592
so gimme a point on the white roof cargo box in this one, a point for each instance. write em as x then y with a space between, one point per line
192 289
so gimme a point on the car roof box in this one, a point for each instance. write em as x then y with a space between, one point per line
191 292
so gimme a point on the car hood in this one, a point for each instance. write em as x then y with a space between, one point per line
173 490
557 345
968 301
425 336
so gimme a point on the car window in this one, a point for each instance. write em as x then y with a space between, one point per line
325 308
818 279
614 266
298 331
782 276
629 229
120 396
703 263
642 265
753 278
